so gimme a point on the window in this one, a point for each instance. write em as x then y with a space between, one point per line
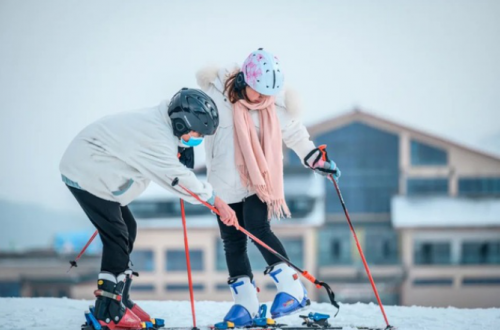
432 253
424 154
151 209
481 253
372 159
176 260
142 260
184 287
293 246
295 249
190 209
10 289
165 209
220 258
334 246
222 287
478 186
433 281
300 206
143 287
62 293
381 246
481 281
427 186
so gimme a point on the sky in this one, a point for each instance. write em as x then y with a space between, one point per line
432 65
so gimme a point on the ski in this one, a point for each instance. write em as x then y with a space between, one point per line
339 327
93 324
312 321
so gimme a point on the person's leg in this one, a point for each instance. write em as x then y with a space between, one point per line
106 216
291 294
243 289
235 245
131 224
256 222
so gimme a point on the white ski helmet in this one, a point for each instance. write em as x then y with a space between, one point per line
262 72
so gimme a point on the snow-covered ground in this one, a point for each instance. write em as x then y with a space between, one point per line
66 314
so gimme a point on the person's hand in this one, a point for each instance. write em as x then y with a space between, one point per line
318 161
227 214
326 168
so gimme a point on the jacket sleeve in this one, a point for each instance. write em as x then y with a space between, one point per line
294 133
159 163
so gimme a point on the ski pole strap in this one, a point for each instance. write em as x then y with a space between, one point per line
319 284
320 153
331 295
102 293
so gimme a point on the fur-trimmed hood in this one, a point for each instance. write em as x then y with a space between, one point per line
216 75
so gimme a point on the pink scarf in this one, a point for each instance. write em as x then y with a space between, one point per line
260 164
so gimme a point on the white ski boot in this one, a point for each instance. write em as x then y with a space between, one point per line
246 303
292 295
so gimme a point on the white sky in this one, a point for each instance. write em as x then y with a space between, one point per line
433 65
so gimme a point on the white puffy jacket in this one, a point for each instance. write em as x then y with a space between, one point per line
221 166
116 157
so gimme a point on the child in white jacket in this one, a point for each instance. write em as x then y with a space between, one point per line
245 168
112 161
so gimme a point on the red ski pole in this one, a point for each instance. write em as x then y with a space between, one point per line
360 249
304 273
324 157
188 264
73 262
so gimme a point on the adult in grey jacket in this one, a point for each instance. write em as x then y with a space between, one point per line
113 160
245 166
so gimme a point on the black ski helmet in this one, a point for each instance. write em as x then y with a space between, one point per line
192 110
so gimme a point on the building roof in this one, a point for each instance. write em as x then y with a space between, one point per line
444 211
387 125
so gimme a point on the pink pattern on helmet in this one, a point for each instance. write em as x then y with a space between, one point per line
252 70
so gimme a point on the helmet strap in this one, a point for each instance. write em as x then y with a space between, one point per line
240 84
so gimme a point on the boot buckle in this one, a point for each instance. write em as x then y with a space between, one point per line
102 293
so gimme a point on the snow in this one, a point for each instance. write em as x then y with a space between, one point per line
65 314
444 211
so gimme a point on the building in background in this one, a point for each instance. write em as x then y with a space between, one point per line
426 211
44 273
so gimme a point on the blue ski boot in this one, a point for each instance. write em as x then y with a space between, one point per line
246 304
292 295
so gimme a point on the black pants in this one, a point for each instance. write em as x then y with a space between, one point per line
252 215
117 229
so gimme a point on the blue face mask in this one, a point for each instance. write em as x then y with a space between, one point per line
192 142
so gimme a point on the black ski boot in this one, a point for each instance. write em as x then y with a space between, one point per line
109 309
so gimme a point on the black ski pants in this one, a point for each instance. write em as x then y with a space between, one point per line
252 215
117 229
